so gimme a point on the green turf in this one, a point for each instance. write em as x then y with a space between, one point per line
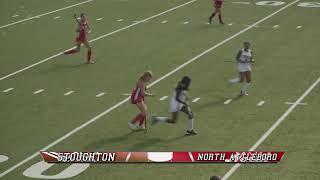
286 64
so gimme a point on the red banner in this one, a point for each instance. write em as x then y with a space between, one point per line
162 157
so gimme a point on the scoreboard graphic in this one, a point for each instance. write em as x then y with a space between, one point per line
162 157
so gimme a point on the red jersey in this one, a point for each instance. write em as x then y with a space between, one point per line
84 28
136 95
218 3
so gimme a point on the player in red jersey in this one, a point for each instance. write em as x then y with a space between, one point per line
217 6
137 98
83 30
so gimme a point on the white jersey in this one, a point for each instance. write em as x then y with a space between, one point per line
245 58
176 106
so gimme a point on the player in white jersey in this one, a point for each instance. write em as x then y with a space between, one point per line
244 59
179 102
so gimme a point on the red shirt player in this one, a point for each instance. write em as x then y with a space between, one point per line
217 6
137 98
82 38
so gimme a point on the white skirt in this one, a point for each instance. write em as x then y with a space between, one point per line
175 106
244 67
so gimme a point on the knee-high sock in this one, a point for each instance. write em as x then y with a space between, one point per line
220 17
212 15
190 124
89 55
245 87
72 51
162 119
143 118
137 118
234 81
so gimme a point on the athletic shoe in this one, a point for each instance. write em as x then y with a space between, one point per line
133 127
190 133
89 62
243 94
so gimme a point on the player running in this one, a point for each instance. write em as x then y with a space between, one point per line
244 58
217 6
137 98
82 30
179 102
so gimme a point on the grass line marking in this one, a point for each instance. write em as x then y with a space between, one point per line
196 100
227 101
163 98
100 94
38 91
44 14
8 90
260 103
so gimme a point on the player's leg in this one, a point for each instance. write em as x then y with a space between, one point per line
173 119
75 50
220 15
246 83
190 129
212 15
89 53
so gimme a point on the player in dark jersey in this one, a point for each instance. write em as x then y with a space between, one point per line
179 102
217 7
82 38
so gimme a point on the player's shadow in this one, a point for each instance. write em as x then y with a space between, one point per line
143 141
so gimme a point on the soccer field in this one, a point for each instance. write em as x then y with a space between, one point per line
53 102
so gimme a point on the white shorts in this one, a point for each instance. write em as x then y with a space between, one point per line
244 67
175 106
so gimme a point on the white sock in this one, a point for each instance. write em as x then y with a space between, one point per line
162 119
245 87
190 125
234 81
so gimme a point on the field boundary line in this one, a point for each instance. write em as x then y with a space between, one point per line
62 138
44 14
96 39
274 126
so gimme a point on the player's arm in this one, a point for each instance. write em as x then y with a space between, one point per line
252 59
142 86
238 56
178 95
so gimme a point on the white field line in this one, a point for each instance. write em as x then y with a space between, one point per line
298 27
99 19
260 103
290 103
274 126
227 101
8 90
119 20
230 24
100 94
44 14
126 94
38 91
57 17
186 22
107 111
164 22
276 26
241 2
163 98
195 100
15 15
98 38
68 93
